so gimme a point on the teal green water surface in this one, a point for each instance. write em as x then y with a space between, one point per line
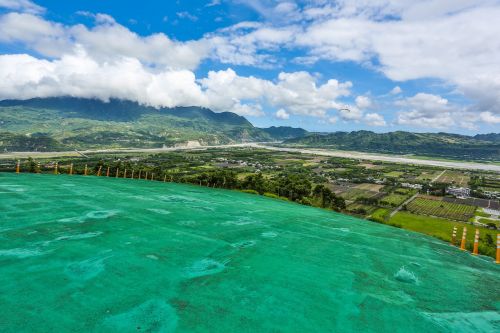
96 254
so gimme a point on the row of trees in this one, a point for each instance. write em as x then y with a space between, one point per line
294 187
287 185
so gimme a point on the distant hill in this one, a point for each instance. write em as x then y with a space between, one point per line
66 123
121 110
479 147
44 124
492 137
285 132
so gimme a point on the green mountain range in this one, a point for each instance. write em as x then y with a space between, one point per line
44 124
479 147
285 132
66 123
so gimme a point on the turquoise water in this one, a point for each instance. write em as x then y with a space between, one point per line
91 254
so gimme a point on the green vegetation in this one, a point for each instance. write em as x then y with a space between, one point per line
441 209
490 222
428 175
442 229
285 132
481 213
482 184
55 124
393 200
65 123
360 209
380 215
455 178
340 184
394 174
430 144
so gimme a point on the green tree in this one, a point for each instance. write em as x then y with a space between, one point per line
32 165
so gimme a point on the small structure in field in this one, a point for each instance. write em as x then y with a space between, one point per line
459 192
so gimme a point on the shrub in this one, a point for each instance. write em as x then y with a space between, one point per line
272 195
250 191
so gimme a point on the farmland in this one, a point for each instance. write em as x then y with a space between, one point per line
428 175
394 174
380 215
455 178
394 199
484 203
360 209
370 187
355 193
344 184
490 184
439 208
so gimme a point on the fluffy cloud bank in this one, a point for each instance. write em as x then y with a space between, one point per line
106 41
22 5
455 42
110 61
24 76
433 111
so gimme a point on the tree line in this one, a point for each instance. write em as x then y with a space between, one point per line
291 186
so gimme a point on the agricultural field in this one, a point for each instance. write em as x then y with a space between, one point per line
393 199
455 178
483 203
404 191
442 229
394 174
369 187
371 166
339 188
355 193
439 208
491 182
427 176
380 215
361 209
288 161
352 192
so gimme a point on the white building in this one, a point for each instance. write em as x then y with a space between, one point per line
459 192
414 186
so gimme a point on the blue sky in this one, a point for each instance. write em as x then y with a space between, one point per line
379 65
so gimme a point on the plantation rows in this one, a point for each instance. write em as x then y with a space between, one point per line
441 209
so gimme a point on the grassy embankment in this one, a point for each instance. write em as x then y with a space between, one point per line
442 229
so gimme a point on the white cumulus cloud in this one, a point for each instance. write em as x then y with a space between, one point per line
105 41
363 102
396 90
26 6
282 114
78 74
433 111
374 119
489 118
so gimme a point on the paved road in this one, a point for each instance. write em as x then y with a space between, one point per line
320 152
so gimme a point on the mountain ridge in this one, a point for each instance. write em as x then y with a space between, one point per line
483 147
62 123
59 123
